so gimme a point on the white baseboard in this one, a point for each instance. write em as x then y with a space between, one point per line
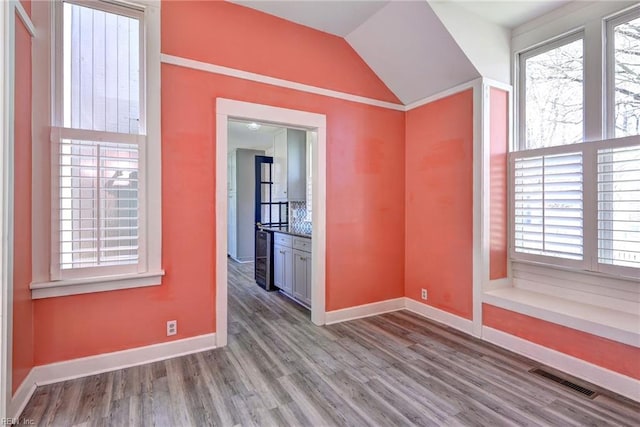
441 316
92 365
602 377
22 395
365 310
376 308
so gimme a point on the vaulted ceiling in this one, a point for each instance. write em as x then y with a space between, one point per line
419 47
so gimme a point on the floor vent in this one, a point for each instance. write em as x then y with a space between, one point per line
573 386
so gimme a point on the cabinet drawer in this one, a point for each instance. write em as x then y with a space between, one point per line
282 239
302 244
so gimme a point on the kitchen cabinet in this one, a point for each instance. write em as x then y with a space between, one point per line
302 276
283 268
289 165
292 267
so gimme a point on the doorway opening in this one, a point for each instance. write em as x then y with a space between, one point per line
230 114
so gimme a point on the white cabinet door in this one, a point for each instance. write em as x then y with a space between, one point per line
302 276
283 268
279 193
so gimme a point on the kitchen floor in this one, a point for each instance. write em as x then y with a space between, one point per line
280 369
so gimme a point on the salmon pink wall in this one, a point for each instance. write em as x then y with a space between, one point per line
600 351
499 137
365 189
439 203
223 33
364 176
22 305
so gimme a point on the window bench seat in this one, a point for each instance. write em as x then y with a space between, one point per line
613 324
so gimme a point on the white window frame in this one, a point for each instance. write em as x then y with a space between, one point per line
522 78
148 271
589 264
610 64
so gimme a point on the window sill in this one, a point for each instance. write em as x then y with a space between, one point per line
604 322
602 275
62 288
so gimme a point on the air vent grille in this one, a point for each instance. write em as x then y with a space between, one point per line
571 385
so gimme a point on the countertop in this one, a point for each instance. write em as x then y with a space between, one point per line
285 230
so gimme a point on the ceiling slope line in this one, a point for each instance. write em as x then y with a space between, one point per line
274 81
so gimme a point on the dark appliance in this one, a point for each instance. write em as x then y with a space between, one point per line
264 260
267 214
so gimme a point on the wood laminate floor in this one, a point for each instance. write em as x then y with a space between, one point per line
395 369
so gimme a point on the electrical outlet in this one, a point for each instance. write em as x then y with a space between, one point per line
424 294
172 327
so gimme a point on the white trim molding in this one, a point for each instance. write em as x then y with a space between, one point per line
602 377
288 84
61 288
261 78
365 310
25 18
228 108
402 303
93 365
440 316
7 92
445 93
481 197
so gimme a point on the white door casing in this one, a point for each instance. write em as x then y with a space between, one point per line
226 109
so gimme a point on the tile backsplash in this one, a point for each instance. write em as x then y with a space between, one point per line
298 218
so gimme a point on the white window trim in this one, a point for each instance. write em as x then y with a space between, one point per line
151 198
610 63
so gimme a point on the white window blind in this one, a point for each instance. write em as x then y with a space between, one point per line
578 206
548 205
98 204
619 206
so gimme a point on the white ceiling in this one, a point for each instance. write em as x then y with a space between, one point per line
509 13
344 16
406 43
240 136
334 17
410 49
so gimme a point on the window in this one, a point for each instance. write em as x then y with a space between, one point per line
552 94
577 204
623 69
105 143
